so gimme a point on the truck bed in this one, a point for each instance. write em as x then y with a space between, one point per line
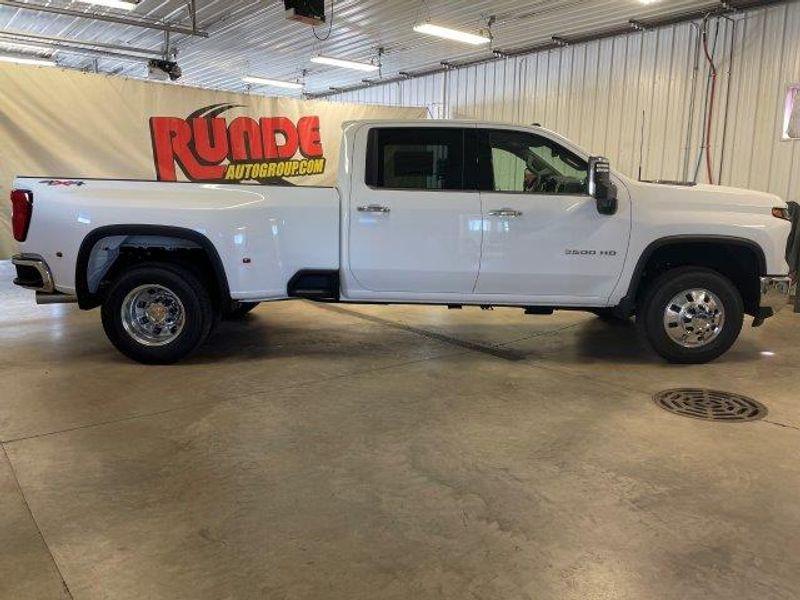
262 234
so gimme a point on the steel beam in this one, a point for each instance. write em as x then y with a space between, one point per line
62 43
132 22
89 52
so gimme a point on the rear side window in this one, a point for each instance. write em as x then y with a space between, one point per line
429 158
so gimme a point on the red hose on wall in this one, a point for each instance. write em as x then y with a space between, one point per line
711 99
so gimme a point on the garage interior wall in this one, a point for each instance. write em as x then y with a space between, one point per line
603 93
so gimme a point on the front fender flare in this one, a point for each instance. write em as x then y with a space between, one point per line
627 304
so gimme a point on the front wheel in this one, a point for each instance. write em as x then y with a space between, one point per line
157 313
691 315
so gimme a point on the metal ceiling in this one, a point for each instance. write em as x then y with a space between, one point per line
252 37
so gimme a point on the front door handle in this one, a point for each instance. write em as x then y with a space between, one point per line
374 208
505 212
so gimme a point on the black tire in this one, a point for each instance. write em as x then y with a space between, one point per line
650 317
199 313
239 310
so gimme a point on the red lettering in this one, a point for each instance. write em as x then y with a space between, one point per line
201 146
270 127
210 140
172 138
246 143
310 140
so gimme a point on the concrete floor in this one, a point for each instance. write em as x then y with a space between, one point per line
315 452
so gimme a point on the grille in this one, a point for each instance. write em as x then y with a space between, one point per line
710 405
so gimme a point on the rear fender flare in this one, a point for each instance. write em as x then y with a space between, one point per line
88 300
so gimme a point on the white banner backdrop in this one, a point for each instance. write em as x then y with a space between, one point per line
66 124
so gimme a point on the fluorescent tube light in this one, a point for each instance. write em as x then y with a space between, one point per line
121 4
452 34
345 64
289 85
24 60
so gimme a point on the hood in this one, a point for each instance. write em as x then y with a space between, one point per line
703 193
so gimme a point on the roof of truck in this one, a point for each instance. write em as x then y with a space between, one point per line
447 122
468 122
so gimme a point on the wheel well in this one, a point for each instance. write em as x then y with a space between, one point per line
108 252
742 263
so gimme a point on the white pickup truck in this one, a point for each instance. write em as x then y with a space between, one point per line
432 212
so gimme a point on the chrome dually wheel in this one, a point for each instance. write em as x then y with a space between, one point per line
694 318
158 312
153 315
691 315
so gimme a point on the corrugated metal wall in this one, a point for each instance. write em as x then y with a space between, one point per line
603 94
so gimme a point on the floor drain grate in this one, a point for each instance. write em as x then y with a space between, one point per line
710 405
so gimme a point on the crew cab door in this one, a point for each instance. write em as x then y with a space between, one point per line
414 213
544 238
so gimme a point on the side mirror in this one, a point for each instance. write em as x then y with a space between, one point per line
601 187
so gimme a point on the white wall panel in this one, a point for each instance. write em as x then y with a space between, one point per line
603 92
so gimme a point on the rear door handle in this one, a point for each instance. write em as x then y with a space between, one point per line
505 212
374 208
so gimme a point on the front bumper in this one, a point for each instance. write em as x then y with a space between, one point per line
33 273
775 293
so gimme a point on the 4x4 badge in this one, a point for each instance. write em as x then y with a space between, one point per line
63 182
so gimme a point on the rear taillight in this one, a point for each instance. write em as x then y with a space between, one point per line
21 212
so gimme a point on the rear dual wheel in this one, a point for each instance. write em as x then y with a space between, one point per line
158 313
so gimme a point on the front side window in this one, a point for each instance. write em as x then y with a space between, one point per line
416 158
514 161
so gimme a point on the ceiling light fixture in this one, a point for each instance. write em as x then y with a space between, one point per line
289 85
452 34
345 64
121 4
25 60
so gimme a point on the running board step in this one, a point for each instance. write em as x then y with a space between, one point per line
314 284
539 310
311 294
